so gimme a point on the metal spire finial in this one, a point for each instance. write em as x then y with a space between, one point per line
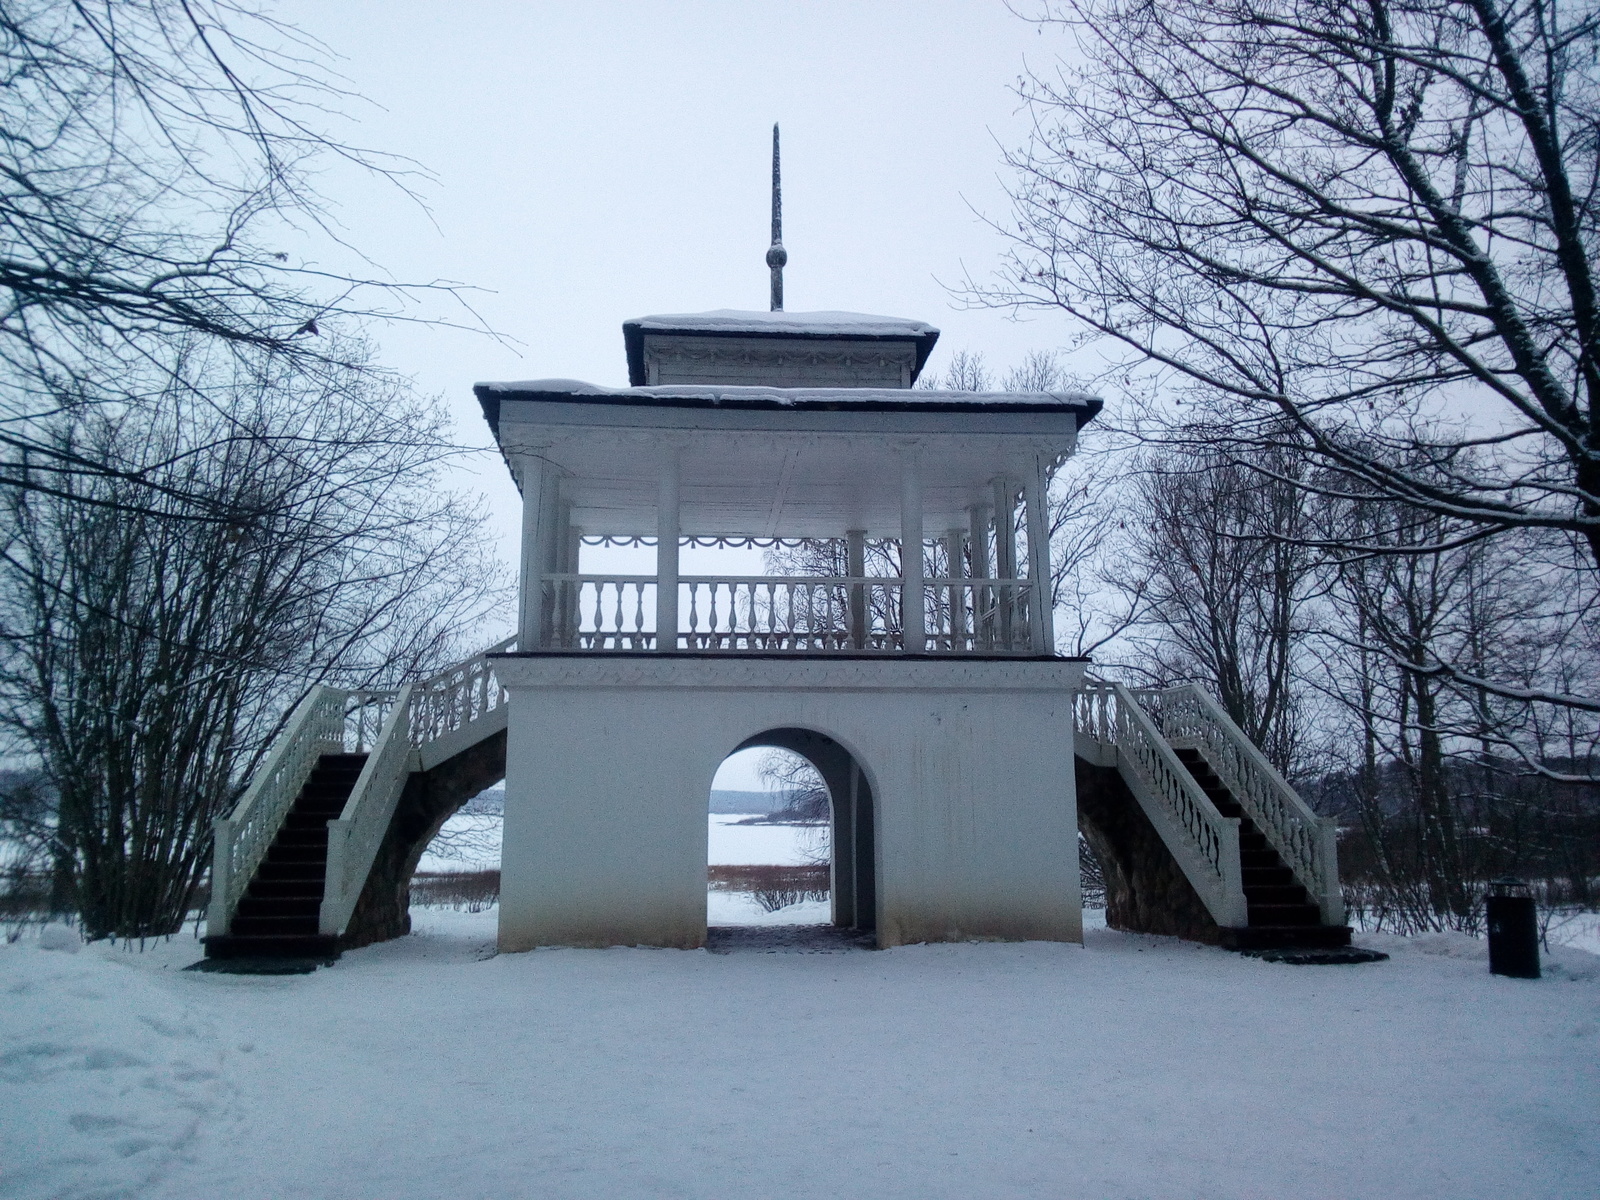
777 256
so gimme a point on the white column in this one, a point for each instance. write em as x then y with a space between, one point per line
530 608
914 634
1041 626
1005 557
855 558
667 556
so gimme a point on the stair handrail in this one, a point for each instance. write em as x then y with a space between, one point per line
455 697
356 833
242 838
1205 843
1307 843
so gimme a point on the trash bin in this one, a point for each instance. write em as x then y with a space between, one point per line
1513 929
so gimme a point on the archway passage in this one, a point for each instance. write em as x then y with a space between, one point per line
854 889
429 800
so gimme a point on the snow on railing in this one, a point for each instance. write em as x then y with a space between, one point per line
787 613
1204 842
1308 845
243 837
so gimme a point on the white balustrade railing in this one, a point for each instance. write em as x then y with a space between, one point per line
365 711
456 697
243 837
1205 843
600 612
979 616
789 613
1189 718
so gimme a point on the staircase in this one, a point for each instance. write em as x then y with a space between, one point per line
292 858
277 916
1280 913
1262 863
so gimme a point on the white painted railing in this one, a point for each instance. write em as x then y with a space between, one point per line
1203 841
243 837
600 612
979 616
1308 844
787 613
355 835
456 698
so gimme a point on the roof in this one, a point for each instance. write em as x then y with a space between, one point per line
728 322
572 391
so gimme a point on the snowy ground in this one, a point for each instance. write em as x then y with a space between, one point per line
1128 1067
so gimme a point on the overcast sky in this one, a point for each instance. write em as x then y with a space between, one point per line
595 162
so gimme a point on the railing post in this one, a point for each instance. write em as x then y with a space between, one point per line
1332 899
855 554
667 532
913 635
329 915
221 876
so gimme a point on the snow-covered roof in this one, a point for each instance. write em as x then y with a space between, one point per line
734 323
792 324
574 391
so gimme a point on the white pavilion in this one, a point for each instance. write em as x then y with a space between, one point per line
913 664
924 700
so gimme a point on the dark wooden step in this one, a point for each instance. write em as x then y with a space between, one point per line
280 853
1274 937
1284 914
291 872
309 886
279 906
274 927
301 834
1276 876
227 945
1289 893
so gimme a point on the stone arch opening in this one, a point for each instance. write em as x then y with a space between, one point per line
852 821
430 799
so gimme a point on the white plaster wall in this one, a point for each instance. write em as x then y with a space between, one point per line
610 761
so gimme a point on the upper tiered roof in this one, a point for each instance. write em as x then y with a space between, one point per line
777 349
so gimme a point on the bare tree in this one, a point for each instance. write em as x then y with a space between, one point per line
147 658
1334 223
1440 777
158 158
967 372
1217 556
